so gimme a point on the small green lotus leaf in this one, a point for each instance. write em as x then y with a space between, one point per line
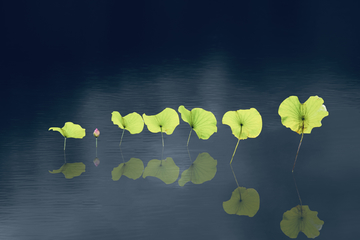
301 219
244 123
165 121
57 129
70 130
201 121
132 169
247 205
166 170
71 170
132 122
201 170
302 118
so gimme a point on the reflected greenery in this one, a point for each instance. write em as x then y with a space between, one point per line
71 170
201 170
165 170
301 219
131 169
243 202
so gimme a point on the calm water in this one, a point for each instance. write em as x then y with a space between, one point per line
38 205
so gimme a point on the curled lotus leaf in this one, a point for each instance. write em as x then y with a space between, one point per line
71 170
132 122
166 170
201 170
132 169
166 121
201 121
302 118
244 123
243 202
70 130
301 219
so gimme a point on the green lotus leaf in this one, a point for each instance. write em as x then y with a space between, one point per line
201 170
165 121
248 204
132 122
132 169
70 130
166 170
302 118
201 121
71 170
301 219
244 123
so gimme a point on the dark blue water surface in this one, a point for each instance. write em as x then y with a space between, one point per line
79 63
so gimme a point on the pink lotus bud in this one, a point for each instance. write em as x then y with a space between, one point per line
96 162
96 133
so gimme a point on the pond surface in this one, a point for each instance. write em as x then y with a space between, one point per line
38 205
78 62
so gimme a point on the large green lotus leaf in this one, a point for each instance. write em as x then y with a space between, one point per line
70 130
247 205
201 170
166 170
301 219
71 170
302 117
244 123
132 169
201 121
132 122
165 121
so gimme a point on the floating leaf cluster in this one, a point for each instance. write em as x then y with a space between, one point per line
244 123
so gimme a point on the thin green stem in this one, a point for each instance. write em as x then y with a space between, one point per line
232 167
292 171
162 140
297 190
234 151
234 175
297 153
64 149
122 135
237 144
96 145
187 145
